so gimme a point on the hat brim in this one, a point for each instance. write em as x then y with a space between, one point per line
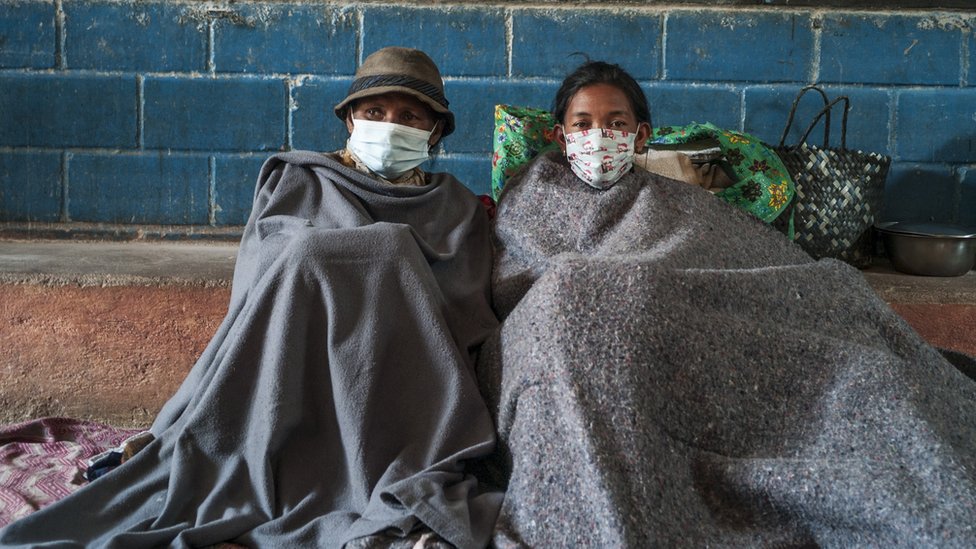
340 109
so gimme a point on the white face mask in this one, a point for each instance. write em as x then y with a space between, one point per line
389 149
600 156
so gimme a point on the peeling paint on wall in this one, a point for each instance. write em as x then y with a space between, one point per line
946 23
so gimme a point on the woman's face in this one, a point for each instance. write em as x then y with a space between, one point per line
601 106
396 108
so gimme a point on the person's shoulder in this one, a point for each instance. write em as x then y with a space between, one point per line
550 164
449 183
549 169
443 178
303 158
296 167
299 164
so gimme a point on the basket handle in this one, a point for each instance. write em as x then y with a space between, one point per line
826 112
796 103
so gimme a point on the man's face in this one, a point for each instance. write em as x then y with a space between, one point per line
396 108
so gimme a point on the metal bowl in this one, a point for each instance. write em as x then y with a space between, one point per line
929 249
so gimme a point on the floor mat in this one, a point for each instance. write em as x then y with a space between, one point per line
43 460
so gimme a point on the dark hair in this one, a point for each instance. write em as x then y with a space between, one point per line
600 72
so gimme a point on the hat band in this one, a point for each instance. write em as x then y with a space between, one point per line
425 88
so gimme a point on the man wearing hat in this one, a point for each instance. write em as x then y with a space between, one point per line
337 404
395 112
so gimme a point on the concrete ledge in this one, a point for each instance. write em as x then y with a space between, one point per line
57 263
111 232
897 287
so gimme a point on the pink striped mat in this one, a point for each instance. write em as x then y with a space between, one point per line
43 460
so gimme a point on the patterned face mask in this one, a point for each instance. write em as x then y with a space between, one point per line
600 156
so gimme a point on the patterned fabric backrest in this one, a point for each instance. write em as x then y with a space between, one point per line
520 134
762 186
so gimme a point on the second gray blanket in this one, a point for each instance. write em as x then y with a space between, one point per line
673 373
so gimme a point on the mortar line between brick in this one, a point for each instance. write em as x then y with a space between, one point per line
663 29
212 190
118 151
211 66
360 40
893 123
509 40
742 110
816 20
140 112
289 112
63 213
964 60
59 35
960 174
265 76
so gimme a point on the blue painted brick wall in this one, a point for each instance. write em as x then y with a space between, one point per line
464 41
675 104
544 42
314 123
27 36
234 179
935 199
868 127
156 111
151 37
967 197
139 188
32 186
768 46
923 117
886 49
215 113
67 110
286 39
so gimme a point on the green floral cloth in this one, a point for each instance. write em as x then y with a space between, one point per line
521 133
762 186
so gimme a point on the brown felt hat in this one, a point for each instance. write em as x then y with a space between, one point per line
402 70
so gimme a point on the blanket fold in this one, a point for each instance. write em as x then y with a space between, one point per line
337 399
671 373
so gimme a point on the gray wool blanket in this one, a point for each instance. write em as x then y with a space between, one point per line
338 399
672 372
